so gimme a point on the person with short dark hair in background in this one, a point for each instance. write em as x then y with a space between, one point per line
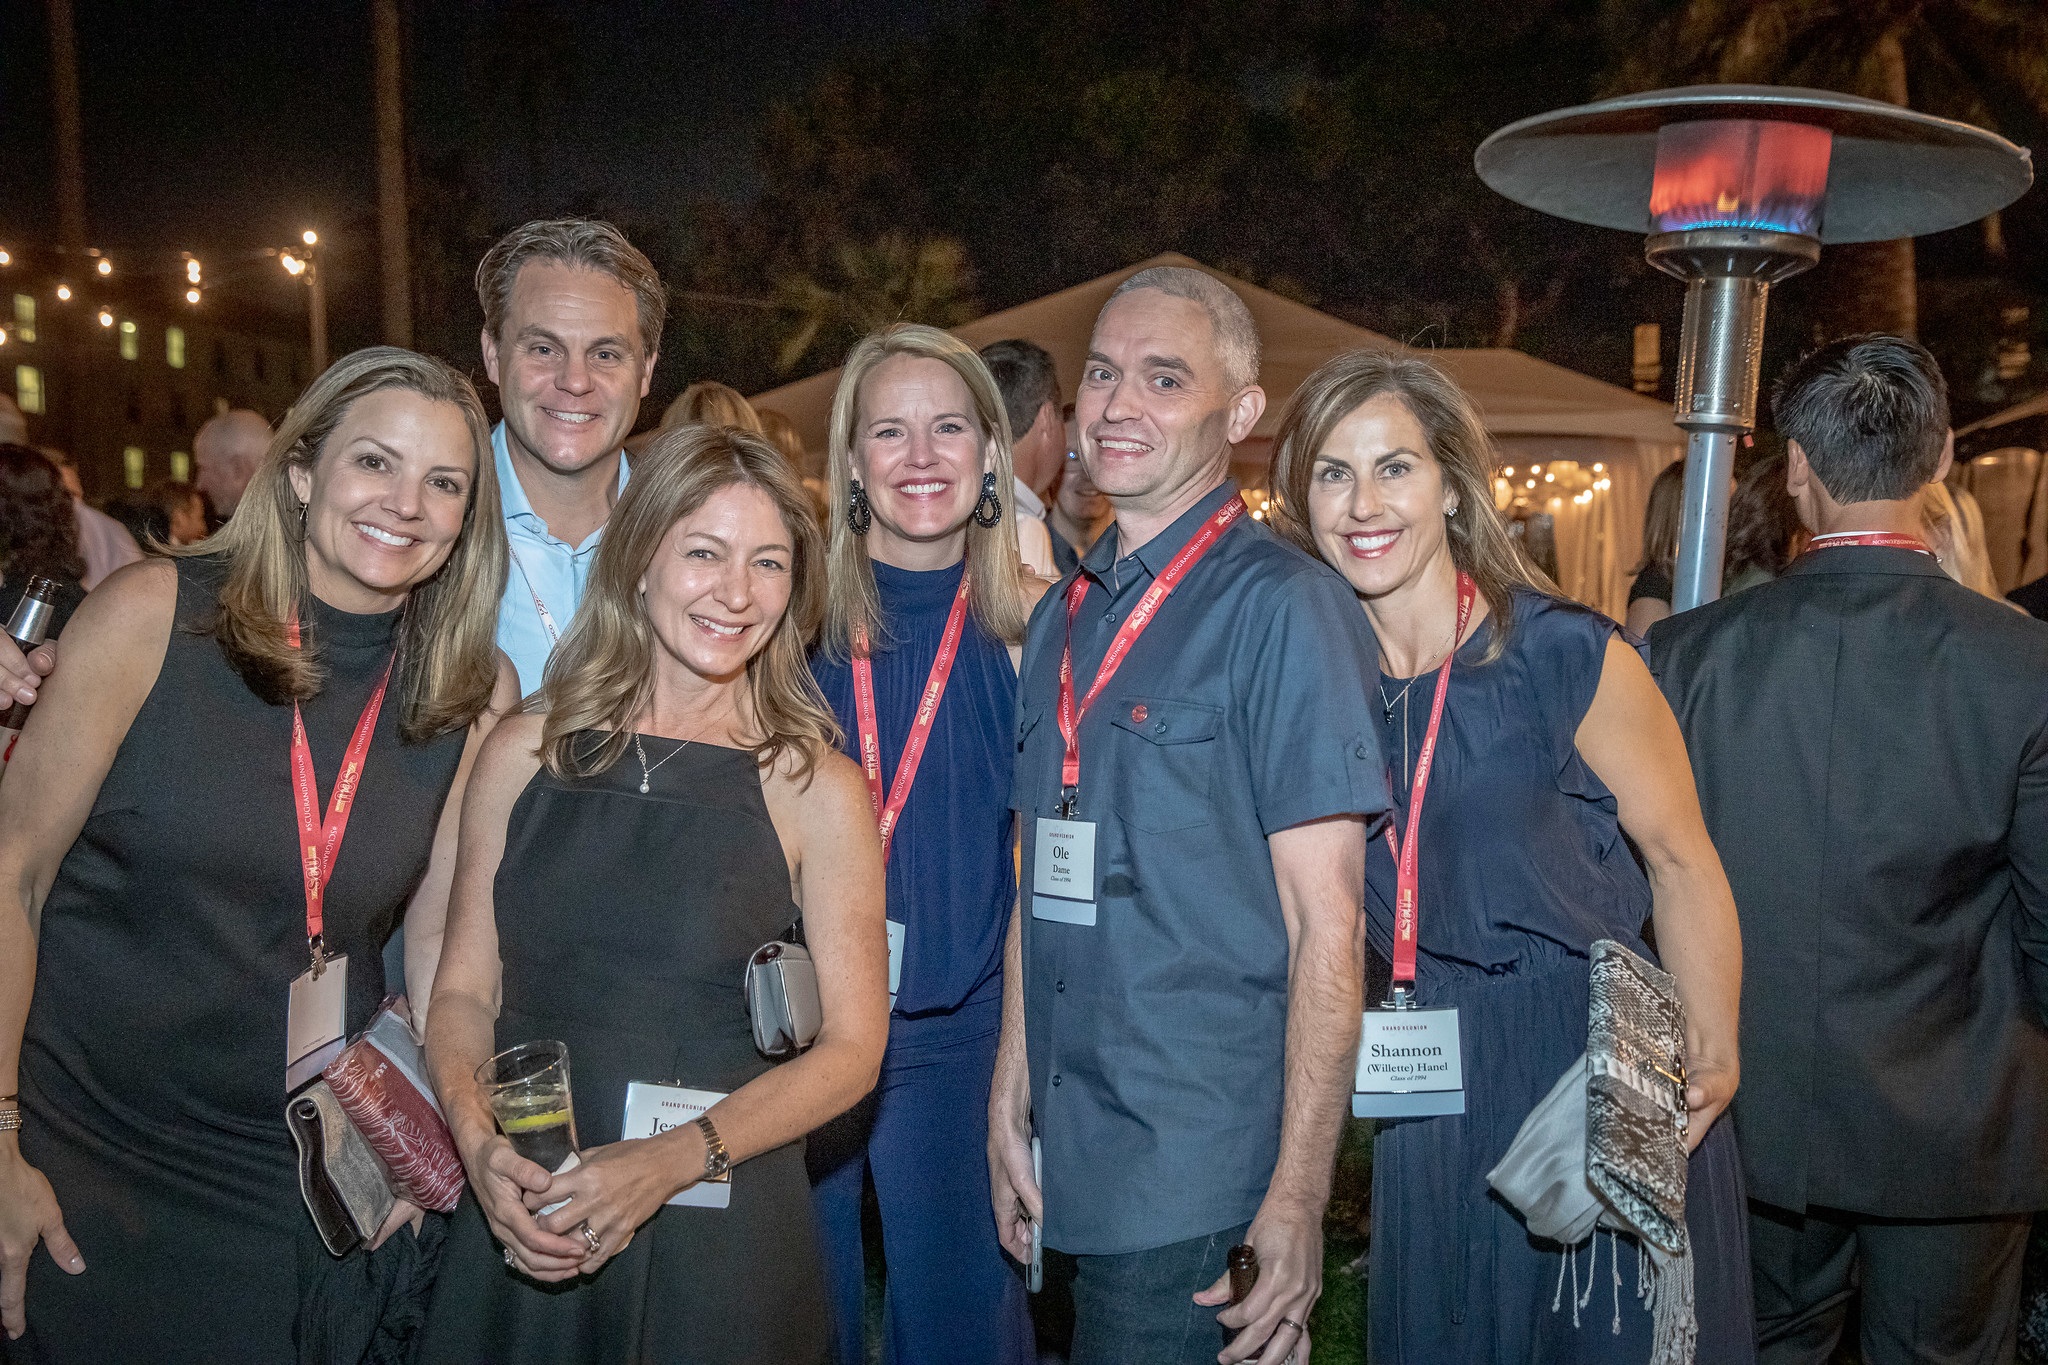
38 533
1764 534
1870 742
1030 382
1649 593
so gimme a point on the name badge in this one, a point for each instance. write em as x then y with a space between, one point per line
1063 872
316 1020
895 958
1410 1065
652 1110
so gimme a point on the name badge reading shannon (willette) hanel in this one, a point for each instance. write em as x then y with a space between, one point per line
1063 872
1410 1065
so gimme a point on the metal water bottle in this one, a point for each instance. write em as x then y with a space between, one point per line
28 627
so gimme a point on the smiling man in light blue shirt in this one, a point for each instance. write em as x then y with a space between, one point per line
572 328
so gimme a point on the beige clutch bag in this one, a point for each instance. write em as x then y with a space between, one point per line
343 1182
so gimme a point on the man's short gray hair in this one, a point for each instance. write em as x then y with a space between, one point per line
1237 336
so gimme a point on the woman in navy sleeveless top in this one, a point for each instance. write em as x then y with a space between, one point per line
919 458
1554 741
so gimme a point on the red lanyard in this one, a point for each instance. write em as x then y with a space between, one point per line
887 812
320 841
1890 540
1126 636
1407 854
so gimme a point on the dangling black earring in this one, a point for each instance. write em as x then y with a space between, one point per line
304 507
989 500
859 516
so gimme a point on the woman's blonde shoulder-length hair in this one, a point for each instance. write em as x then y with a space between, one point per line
447 635
1480 542
602 674
995 570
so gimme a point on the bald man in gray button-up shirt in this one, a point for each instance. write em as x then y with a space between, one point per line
1185 1057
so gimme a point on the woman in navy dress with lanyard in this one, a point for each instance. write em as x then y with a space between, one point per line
927 603
1551 743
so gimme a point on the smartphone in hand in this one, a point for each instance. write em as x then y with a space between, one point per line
1034 1278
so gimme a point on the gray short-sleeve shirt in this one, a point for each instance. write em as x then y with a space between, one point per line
1157 1035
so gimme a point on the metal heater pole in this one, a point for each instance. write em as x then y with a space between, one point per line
1703 534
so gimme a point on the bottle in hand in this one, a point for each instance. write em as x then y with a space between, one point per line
1243 1264
28 627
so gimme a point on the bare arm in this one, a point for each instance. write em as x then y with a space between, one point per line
1645 612
115 649
460 1032
1320 871
1632 742
426 917
1013 1187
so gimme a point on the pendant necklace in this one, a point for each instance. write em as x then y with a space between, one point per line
645 771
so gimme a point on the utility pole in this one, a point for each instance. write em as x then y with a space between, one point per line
64 389
392 238
70 137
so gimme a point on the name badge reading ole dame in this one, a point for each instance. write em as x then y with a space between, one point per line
1063 872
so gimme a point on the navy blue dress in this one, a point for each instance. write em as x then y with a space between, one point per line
1523 866
923 1132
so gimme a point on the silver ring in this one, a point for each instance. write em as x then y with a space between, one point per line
1297 1326
511 1262
592 1240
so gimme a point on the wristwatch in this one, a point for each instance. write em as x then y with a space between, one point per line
716 1160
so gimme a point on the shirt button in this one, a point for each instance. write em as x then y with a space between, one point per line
1159 727
1361 751
1060 987
1055 1080
1109 618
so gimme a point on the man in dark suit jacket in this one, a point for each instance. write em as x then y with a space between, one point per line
2033 596
1870 740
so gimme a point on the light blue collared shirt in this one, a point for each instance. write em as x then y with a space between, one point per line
542 567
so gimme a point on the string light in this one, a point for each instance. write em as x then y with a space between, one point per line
6 259
1549 477
64 292
292 264
310 237
192 269
106 318
191 296
105 267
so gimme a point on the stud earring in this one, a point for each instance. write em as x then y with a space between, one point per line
989 500
859 515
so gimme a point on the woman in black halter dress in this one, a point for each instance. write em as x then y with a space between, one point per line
624 855
152 795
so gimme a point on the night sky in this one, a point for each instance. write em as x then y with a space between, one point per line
224 126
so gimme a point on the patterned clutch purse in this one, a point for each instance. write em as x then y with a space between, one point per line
1635 1095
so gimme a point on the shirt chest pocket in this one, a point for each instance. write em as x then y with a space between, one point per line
1165 762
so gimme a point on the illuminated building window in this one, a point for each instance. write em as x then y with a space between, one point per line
181 466
174 347
135 466
24 317
28 388
131 341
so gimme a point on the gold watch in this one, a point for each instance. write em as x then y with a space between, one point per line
716 1160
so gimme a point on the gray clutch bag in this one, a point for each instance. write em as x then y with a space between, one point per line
1606 1147
343 1182
782 999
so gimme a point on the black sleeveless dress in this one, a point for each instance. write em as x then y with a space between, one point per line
152 1067
624 926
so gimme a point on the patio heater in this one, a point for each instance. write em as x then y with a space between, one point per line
1737 187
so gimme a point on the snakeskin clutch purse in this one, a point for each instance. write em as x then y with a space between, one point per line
1635 1095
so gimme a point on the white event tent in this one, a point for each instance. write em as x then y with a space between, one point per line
1599 445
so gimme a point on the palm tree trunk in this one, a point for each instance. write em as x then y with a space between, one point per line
393 244
1873 286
